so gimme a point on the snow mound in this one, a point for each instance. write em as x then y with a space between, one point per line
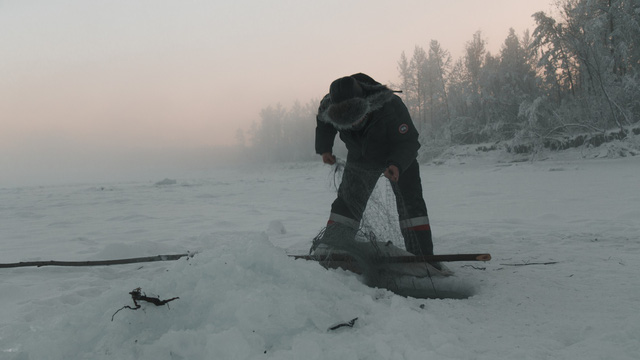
244 298
166 182
276 227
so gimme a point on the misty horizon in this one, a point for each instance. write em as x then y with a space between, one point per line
103 166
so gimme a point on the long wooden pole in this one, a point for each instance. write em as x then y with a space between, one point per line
96 262
400 259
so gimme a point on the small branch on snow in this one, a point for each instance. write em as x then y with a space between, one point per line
532 263
337 326
475 267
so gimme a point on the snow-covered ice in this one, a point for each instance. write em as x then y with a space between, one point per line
564 234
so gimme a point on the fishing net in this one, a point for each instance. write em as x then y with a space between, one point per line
377 236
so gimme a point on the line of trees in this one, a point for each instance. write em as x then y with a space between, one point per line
577 73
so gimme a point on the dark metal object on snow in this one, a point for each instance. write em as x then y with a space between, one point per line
138 295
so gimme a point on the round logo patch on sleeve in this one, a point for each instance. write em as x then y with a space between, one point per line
403 129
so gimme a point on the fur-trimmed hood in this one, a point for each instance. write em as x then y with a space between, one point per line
345 114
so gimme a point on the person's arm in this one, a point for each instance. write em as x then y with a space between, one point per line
403 137
325 133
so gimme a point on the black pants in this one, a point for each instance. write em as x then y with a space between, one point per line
358 182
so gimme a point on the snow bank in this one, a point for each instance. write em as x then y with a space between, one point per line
243 298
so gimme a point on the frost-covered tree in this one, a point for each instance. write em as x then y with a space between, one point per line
416 86
549 38
468 115
424 86
437 69
475 52
590 64
511 82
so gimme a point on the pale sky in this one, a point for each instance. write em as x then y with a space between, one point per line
100 76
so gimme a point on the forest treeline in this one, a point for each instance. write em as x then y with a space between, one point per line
576 76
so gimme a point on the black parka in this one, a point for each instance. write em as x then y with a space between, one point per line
387 136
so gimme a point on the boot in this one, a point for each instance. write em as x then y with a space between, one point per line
418 242
334 237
